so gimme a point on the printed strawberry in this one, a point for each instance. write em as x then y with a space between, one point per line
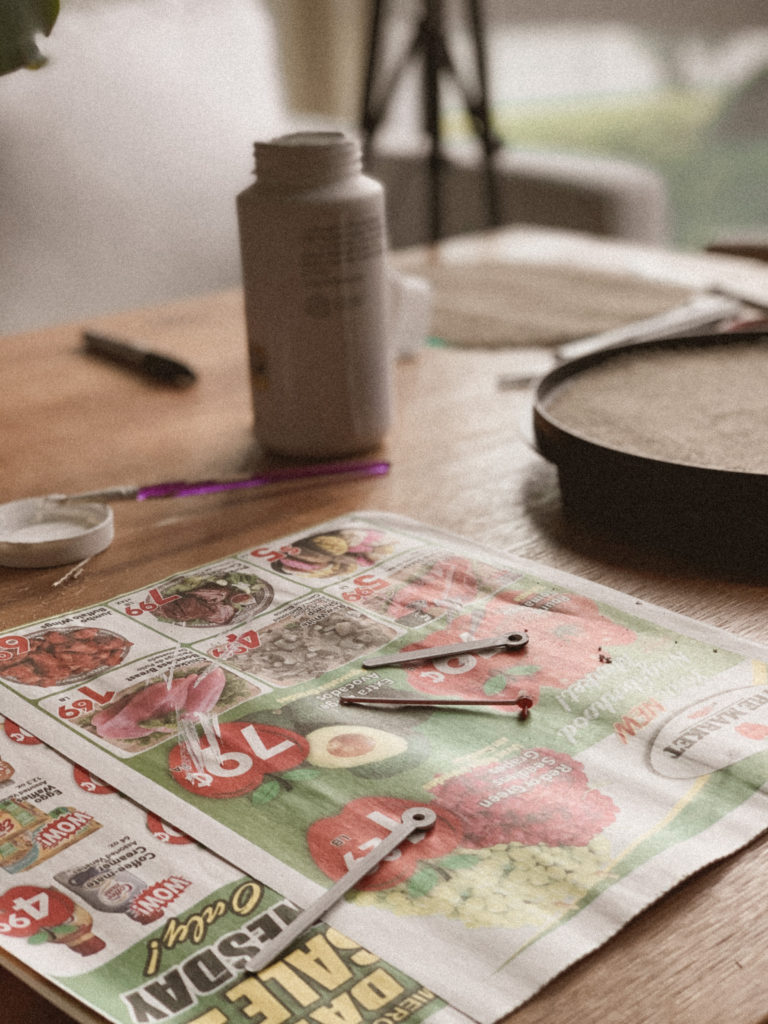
566 633
26 909
236 762
337 843
538 796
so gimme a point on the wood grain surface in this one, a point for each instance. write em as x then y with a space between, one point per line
460 461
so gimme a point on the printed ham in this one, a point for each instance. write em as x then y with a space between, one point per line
188 696
203 694
206 604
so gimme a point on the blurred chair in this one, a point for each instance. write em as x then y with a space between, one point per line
595 194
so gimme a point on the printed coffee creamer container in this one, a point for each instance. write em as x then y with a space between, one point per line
114 891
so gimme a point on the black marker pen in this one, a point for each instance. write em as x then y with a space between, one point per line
151 364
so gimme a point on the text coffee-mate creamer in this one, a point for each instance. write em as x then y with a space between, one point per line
313 241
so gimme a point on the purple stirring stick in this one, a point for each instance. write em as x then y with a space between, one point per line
182 488
269 476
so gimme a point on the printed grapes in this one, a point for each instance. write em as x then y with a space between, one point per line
504 886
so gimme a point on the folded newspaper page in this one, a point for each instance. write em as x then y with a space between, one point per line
134 919
212 701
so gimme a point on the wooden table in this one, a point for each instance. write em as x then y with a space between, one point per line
70 423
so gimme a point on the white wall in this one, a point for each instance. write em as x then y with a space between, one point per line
120 160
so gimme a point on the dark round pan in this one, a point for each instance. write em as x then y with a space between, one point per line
713 514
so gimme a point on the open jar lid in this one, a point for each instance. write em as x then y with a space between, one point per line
36 533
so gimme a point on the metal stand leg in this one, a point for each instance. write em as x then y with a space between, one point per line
429 45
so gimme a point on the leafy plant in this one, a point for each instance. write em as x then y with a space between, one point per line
20 22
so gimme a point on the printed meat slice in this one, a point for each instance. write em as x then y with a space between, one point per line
189 696
219 614
206 604
187 607
56 656
203 694
155 701
214 605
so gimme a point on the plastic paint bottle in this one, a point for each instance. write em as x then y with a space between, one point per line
313 249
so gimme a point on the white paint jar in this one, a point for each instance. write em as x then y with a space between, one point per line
313 249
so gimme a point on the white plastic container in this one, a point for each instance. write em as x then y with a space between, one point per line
313 249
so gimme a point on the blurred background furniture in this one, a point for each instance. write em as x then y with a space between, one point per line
676 89
429 46
600 195
679 88
120 160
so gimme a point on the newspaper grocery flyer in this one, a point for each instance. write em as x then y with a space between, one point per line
213 699
129 915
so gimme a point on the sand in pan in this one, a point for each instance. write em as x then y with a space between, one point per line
697 405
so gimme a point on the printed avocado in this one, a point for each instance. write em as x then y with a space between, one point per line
365 751
349 746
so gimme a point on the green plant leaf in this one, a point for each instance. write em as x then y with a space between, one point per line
459 861
20 22
423 880
269 790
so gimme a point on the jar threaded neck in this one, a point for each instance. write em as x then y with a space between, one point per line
307 160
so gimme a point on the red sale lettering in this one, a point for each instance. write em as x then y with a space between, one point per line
273 556
13 647
166 833
90 783
368 820
97 698
85 704
26 909
637 718
260 748
364 585
235 644
150 903
237 761
75 708
36 905
154 600
389 824
18 735
157 597
367 580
